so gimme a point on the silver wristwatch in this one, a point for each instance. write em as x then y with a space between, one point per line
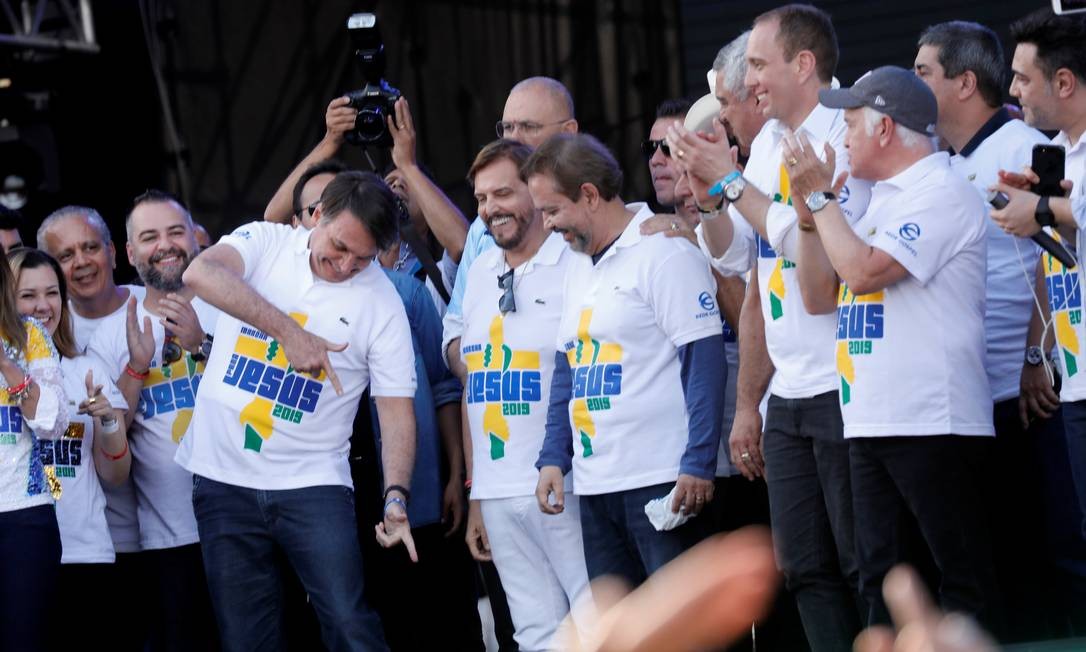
734 190
816 201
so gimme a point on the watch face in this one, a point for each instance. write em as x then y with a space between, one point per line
734 190
816 202
1034 355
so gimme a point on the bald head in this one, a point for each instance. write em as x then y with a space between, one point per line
536 109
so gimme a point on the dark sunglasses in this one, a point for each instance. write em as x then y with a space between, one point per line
506 303
171 350
312 208
648 147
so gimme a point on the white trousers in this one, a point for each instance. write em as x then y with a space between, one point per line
540 558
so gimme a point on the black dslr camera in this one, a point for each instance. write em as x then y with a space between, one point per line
375 101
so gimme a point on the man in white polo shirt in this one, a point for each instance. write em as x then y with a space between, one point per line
307 324
791 54
963 64
910 335
1050 82
637 392
508 347
153 351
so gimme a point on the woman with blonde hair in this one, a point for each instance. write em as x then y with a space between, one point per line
33 408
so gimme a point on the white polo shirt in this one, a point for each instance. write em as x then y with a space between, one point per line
1065 286
803 370
261 424
623 320
911 357
510 361
121 510
81 508
163 489
1009 293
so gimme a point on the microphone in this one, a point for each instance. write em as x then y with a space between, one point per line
999 200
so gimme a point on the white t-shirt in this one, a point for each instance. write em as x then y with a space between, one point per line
163 417
83 328
510 363
1010 299
259 423
623 320
1065 286
81 508
911 357
803 370
121 510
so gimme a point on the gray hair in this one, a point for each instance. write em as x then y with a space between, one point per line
92 216
552 87
732 60
909 138
963 46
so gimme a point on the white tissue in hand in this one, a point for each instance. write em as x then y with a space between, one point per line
660 515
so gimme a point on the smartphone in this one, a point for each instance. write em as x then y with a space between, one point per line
1063 7
1048 164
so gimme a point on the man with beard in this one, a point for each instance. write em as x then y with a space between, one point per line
508 347
637 391
157 350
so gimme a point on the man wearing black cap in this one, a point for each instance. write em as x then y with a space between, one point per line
910 338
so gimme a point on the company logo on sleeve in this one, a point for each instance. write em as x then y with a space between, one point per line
508 382
597 379
910 231
259 367
860 321
1065 302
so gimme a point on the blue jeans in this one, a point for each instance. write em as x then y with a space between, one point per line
810 504
620 540
240 530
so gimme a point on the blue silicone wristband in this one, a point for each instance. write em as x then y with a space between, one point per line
395 500
718 187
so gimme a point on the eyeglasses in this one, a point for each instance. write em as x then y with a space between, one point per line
171 350
648 147
506 303
312 208
526 127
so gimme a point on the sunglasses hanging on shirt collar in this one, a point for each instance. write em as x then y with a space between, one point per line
506 303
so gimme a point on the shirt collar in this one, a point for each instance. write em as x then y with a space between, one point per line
818 123
917 171
1063 139
548 254
998 119
631 235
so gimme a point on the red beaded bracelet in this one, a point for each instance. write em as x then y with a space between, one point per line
135 374
18 389
119 455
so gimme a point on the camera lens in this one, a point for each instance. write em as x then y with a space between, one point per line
370 123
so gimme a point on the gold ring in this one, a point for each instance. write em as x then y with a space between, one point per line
91 400
792 161
745 455
674 225
680 153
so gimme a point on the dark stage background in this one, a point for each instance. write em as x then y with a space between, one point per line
246 85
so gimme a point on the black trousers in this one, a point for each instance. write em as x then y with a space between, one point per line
939 480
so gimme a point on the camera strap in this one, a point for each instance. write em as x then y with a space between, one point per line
426 260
